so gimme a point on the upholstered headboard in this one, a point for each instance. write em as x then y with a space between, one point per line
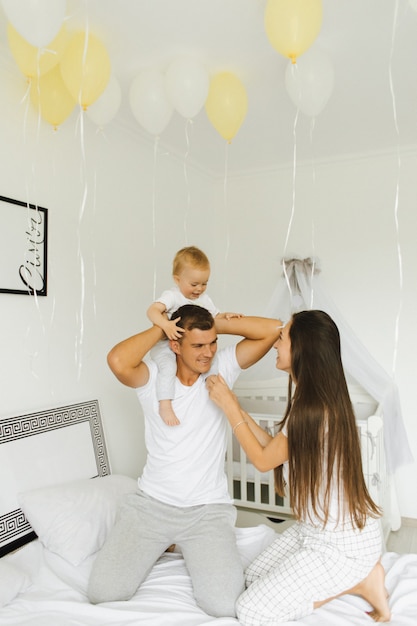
44 448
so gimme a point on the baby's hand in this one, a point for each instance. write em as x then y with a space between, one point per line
229 316
173 331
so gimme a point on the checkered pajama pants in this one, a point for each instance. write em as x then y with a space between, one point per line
306 565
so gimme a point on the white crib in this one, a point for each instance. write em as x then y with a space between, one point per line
254 491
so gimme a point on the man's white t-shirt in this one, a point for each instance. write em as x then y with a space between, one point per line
185 463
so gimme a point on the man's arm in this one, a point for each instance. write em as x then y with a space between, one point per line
260 334
126 358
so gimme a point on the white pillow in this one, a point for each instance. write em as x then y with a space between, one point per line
12 581
72 519
252 541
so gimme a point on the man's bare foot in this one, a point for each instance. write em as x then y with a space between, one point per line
167 413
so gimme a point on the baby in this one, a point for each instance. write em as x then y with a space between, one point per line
191 271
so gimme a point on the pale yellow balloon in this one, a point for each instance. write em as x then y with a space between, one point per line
85 68
34 61
293 25
226 104
51 97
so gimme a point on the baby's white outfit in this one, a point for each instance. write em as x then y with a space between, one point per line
161 352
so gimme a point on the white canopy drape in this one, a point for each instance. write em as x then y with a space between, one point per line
301 289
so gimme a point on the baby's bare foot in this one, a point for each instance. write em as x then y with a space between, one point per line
167 413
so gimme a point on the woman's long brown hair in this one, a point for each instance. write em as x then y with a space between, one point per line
323 440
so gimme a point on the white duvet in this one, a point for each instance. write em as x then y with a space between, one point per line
55 595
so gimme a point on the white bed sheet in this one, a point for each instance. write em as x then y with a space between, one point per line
57 596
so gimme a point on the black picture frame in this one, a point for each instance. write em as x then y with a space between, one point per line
24 249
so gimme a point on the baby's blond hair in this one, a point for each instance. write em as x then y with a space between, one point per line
189 256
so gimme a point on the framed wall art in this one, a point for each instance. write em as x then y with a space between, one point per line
24 249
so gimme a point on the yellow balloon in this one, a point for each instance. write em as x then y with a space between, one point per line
226 104
293 25
51 97
85 68
34 61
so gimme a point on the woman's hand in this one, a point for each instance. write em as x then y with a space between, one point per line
263 450
220 393
229 316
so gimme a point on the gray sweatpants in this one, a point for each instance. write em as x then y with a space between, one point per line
145 527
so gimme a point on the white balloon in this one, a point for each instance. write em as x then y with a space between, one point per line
187 83
149 101
37 21
104 109
310 81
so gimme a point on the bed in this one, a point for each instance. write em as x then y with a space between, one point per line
58 500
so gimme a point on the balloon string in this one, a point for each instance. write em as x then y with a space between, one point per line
25 100
100 131
38 63
80 338
155 154
400 275
397 191
85 49
313 229
94 263
83 167
188 125
293 202
54 160
25 95
33 352
298 83
225 204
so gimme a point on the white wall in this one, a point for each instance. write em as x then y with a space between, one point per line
103 261
345 214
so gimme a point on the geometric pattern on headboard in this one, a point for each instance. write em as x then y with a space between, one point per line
14 524
14 428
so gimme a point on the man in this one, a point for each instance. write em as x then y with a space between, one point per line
183 496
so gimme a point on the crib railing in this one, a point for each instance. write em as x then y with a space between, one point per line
254 490
250 488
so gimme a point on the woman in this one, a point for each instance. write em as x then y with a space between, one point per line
334 546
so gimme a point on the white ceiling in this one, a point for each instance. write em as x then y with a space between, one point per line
371 43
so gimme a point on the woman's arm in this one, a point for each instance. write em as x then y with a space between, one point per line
260 334
261 434
264 452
